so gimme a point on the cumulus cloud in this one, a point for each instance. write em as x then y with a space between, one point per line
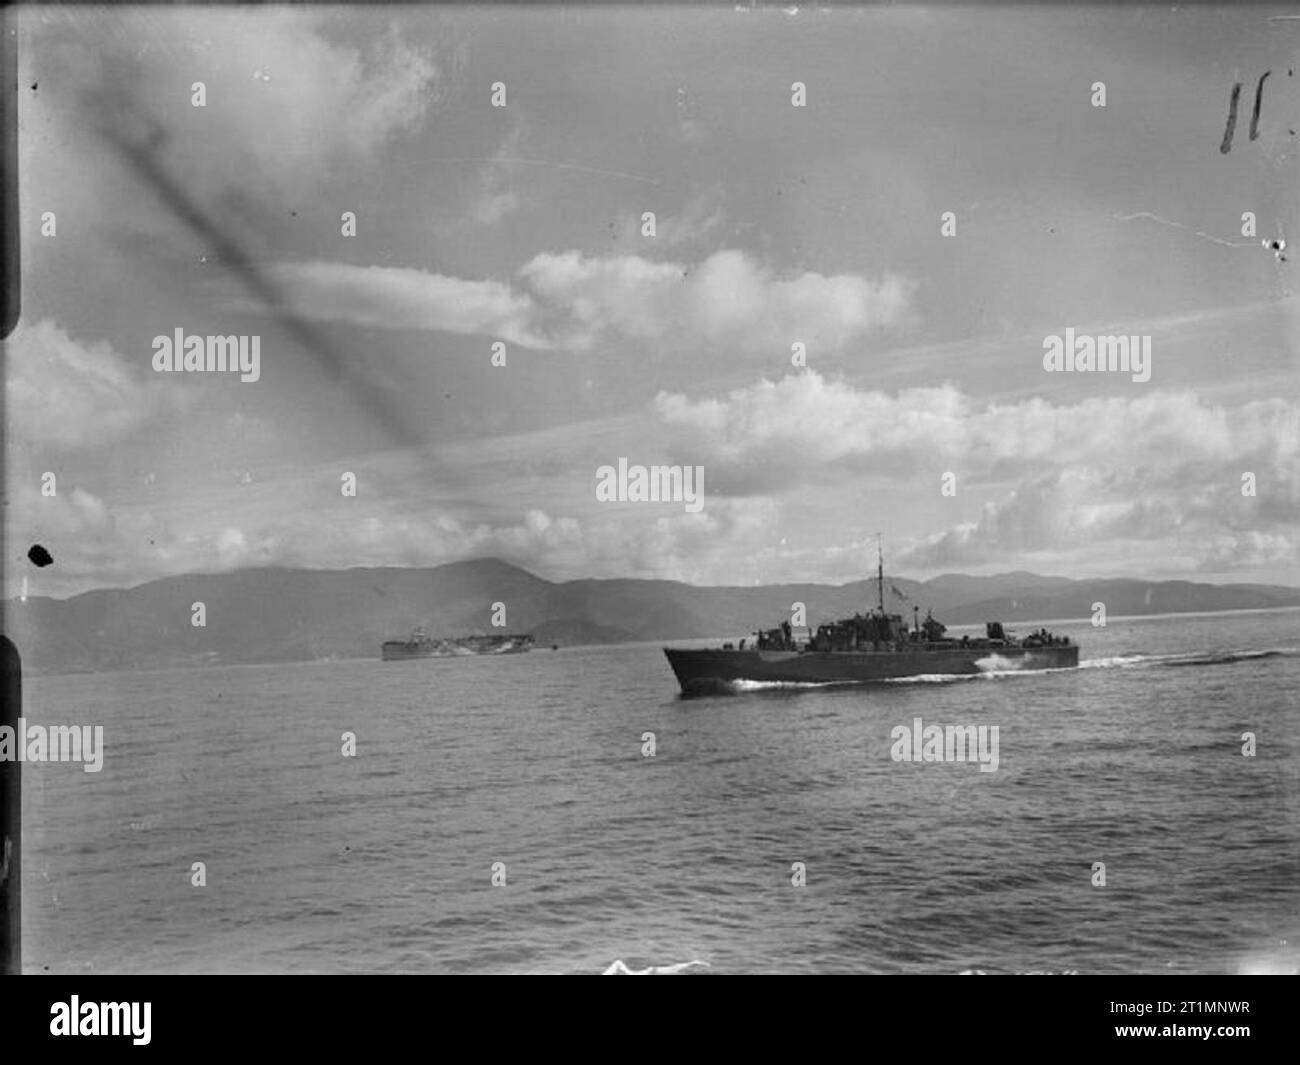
1047 511
1154 468
1191 512
135 542
65 393
1250 548
722 544
1131 517
729 302
76 526
806 413
718 543
286 107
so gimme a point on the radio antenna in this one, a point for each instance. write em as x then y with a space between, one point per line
880 575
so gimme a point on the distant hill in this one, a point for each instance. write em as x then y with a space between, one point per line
283 615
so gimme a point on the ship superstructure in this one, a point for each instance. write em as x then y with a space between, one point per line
866 647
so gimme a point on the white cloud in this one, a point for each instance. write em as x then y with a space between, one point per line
1045 512
64 393
76 526
1090 479
834 420
232 548
723 543
1132 519
286 107
728 302
391 297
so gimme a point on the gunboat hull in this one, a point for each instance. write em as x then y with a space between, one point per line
709 670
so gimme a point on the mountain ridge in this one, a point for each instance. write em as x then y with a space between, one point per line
281 614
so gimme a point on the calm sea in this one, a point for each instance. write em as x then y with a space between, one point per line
383 862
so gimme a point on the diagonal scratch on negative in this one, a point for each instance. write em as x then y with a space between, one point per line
544 162
140 151
1226 146
1195 232
1259 99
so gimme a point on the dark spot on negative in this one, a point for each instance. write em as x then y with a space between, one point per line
40 556
1226 146
34 84
1259 99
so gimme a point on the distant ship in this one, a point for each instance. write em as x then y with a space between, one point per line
421 645
866 647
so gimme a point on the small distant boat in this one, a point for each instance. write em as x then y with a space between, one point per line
421 645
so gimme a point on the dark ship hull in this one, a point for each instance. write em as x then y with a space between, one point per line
866 647
460 647
704 671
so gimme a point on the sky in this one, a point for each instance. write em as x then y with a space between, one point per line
923 411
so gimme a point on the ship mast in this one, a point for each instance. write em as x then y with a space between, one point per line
880 575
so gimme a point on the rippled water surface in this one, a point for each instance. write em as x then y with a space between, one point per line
383 862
